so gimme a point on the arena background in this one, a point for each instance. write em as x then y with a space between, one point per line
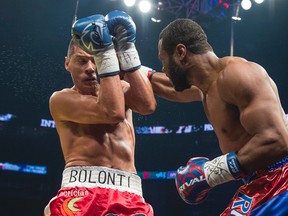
33 44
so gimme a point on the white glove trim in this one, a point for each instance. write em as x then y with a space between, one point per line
107 63
217 171
129 59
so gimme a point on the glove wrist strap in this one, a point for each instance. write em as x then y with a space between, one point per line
222 169
107 63
234 166
129 59
150 74
146 71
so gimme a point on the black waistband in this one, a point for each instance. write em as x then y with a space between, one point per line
271 167
278 164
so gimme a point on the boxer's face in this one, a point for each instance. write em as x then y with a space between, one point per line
83 70
177 75
173 70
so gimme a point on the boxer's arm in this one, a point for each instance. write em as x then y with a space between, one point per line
162 87
92 35
123 29
107 108
250 89
138 93
200 175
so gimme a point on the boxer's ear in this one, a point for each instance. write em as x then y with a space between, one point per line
181 53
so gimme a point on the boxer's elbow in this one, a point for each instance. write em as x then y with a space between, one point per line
115 116
279 144
148 108
151 107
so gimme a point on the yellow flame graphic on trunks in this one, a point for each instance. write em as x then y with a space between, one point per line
68 206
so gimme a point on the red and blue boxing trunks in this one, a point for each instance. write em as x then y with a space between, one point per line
99 191
264 194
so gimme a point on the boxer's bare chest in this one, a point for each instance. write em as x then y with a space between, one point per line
225 119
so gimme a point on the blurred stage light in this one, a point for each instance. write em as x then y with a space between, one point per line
236 16
226 5
155 8
155 20
246 4
259 1
129 3
144 6
6 117
157 13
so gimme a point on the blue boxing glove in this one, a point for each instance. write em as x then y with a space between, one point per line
92 35
123 28
200 175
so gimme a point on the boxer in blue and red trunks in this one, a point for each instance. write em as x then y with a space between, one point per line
265 192
242 104
94 120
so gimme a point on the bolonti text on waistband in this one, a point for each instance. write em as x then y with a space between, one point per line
99 177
